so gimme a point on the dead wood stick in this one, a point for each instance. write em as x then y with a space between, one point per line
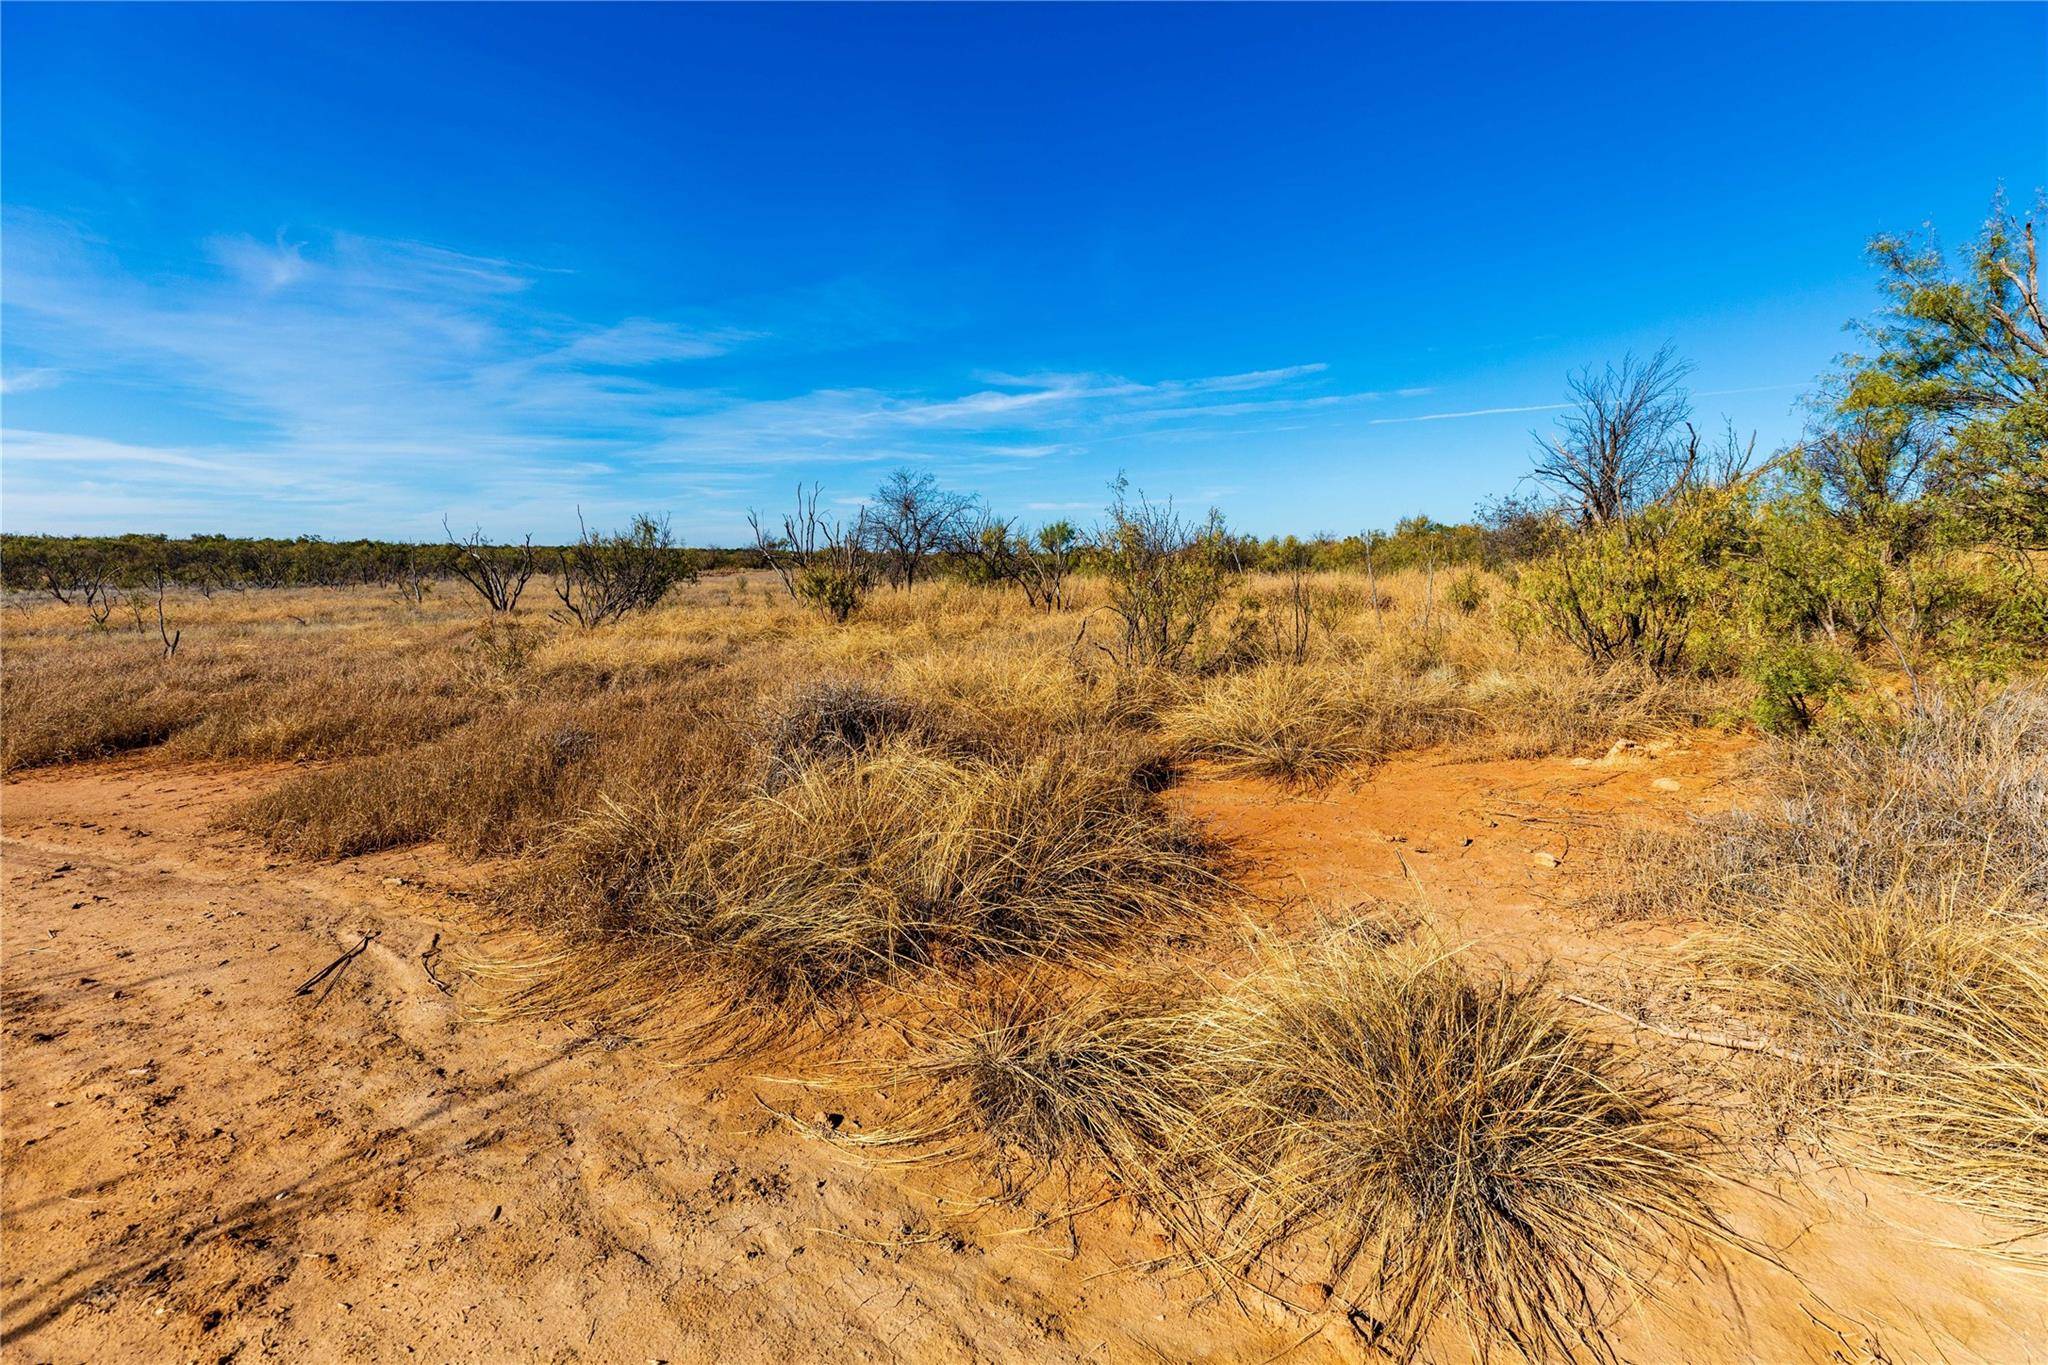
1686 1035
427 961
333 969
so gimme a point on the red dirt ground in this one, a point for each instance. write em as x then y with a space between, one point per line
202 1165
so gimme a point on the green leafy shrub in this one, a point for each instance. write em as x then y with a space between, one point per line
1650 588
1795 681
1466 592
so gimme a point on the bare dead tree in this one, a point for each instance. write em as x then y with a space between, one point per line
821 561
98 594
911 519
86 579
602 577
413 583
498 572
1292 634
1372 587
1626 443
1723 465
56 581
160 578
788 553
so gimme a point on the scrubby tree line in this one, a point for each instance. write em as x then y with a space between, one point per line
1907 528
601 574
1909 525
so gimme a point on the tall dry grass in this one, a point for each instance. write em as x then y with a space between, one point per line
260 676
1885 910
732 801
1431 1148
851 868
1390 666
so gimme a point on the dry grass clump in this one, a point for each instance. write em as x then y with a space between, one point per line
363 706
247 687
1037 1078
1303 723
501 784
1963 1101
1452 1145
1840 971
59 712
837 718
1959 791
1926 1017
1887 910
1027 691
1949 805
1307 722
1539 708
1426 1145
851 869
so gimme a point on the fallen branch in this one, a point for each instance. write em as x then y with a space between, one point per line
1686 1035
335 970
427 957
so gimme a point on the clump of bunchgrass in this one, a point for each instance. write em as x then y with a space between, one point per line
851 871
836 718
503 784
1305 723
1885 911
1537 707
1963 1103
1036 1077
1427 1145
1925 1017
1445 1144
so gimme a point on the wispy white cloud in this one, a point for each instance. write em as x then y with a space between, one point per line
356 383
1470 412
268 268
645 341
28 381
1538 407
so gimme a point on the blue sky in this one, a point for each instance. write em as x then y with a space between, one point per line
344 270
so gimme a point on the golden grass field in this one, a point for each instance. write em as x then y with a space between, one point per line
1432 994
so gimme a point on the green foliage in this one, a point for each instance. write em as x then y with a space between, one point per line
996 553
1650 588
1908 528
837 587
603 577
1466 592
1794 682
215 563
1967 355
502 647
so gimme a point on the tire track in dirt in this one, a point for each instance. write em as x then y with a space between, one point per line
201 1165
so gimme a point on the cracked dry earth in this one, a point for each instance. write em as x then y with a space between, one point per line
202 1165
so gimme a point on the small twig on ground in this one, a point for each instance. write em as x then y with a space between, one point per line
1686 1035
335 970
427 957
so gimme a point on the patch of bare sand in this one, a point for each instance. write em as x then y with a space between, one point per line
201 1165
